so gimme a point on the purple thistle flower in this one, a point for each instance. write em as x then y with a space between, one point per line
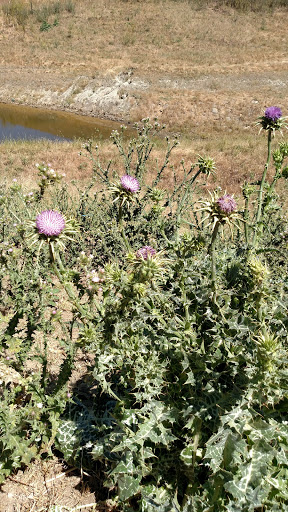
145 251
273 113
50 223
226 204
129 183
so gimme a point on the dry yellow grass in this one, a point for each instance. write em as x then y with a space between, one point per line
162 37
238 159
211 72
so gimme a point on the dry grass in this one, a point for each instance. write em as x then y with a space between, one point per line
239 156
212 71
153 37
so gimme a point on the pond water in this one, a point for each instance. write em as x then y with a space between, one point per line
18 122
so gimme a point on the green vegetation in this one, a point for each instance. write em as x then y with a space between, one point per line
179 303
19 11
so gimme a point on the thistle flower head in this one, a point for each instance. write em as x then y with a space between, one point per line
52 228
226 204
50 223
221 210
129 183
273 113
146 252
125 191
272 119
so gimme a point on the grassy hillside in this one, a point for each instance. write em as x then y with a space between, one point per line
204 69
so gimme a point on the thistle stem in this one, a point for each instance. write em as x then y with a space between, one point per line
246 218
121 225
260 196
212 250
67 286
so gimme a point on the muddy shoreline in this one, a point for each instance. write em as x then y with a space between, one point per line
125 97
109 98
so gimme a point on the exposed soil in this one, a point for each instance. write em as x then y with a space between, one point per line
127 97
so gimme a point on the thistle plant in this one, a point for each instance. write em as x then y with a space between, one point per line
220 211
48 176
271 122
183 402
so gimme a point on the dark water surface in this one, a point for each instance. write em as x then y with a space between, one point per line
18 122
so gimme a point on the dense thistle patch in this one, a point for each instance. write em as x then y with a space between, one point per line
272 119
126 190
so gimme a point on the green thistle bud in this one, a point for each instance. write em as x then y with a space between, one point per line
277 158
156 195
206 165
283 147
258 269
247 190
113 273
268 349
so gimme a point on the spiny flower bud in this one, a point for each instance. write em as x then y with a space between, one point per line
206 165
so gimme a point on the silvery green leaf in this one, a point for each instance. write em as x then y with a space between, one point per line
128 486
